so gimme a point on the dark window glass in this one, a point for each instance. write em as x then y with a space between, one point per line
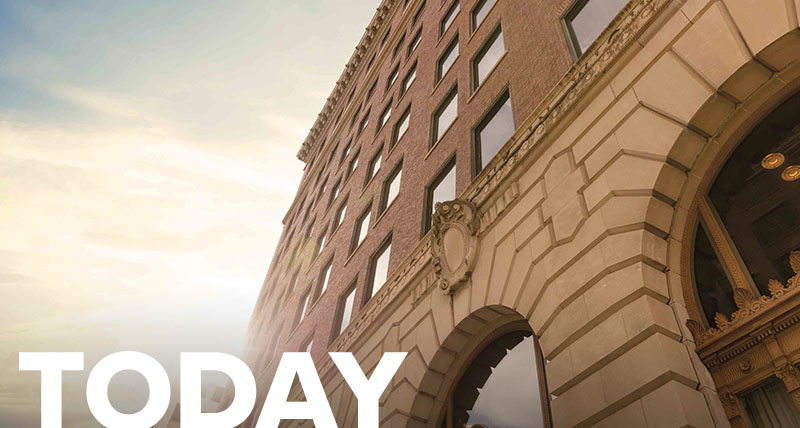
713 288
488 57
443 188
392 77
480 11
587 19
385 115
399 46
445 115
493 131
447 59
756 199
419 13
771 406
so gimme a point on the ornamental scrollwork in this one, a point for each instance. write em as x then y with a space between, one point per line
749 305
454 230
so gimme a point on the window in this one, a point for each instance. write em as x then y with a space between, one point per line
371 62
409 79
303 308
399 46
379 267
346 151
441 189
374 165
480 11
448 19
321 242
310 229
386 37
392 77
353 164
501 386
415 42
324 277
340 213
401 126
493 131
335 192
362 228
586 19
447 59
364 123
372 88
418 15
445 115
770 405
391 187
309 345
385 115
488 57
346 309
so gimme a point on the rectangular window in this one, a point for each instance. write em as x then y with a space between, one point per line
398 46
346 151
480 11
334 192
310 345
324 277
385 115
321 242
310 230
493 131
401 126
346 309
414 42
441 189
449 17
418 15
379 267
587 19
374 166
364 123
340 213
372 88
362 228
447 59
302 313
488 57
409 79
391 187
392 77
353 164
445 115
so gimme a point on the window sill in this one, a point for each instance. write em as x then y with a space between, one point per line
444 135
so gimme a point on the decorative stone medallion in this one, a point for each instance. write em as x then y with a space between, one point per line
454 227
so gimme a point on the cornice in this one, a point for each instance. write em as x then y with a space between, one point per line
340 90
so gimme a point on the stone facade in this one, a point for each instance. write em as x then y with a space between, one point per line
580 227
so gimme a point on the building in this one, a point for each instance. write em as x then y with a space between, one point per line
569 213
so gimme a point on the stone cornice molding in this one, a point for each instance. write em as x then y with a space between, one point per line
339 92
629 24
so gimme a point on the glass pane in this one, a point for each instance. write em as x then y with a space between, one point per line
500 389
713 288
363 228
384 116
480 12
486 61
394 188
410 79
592 19
446 116
759 208
445 190
770 406
381 269
325 277
447 60
495 131
451 16
402 127
348 310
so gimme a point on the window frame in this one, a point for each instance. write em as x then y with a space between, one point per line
369 290
404 87
385 203
338 326
356 240
488 116
473 22
452 96
496 33
450 165
405 116
451 12
440 71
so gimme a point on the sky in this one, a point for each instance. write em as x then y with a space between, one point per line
147 158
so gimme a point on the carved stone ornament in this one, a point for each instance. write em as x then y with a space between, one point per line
454 227
749 305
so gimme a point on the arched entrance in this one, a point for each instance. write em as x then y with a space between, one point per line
494 377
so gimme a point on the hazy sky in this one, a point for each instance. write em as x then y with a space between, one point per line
147 157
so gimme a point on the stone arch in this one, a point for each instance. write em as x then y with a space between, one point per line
458 348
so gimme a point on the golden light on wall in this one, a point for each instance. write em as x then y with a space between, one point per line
775 161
